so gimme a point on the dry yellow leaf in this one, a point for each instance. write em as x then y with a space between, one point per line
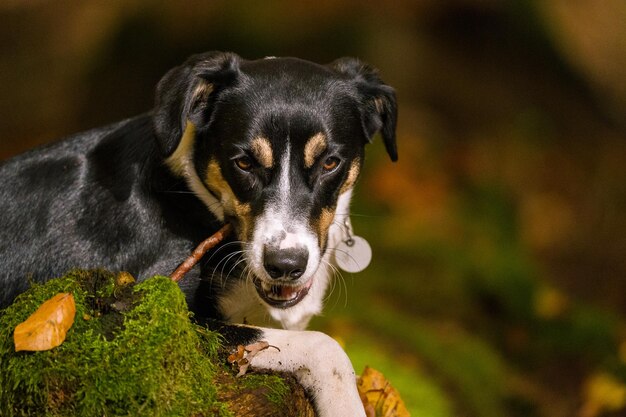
124 278
378 394
47 326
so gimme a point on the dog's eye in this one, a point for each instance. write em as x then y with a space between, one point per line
244 163
330 164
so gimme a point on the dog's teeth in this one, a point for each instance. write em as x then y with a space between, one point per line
279 297
280 293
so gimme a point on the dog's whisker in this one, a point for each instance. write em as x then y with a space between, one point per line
342 282
330 292
225 262
333 287
352 214
237 263
249 278
336 249
344 252
225 277
176 192
342 226
222 247
224 259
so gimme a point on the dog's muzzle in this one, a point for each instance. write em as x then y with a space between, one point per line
284 267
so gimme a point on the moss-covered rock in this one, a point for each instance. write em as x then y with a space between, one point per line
132 351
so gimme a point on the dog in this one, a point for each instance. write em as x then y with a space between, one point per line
272 146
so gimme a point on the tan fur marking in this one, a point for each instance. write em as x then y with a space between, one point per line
353 174
243 211
217 184
323 224
314 148
180 158
262 150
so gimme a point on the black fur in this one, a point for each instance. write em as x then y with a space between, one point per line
98 199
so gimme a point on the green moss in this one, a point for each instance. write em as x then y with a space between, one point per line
132 351
275 388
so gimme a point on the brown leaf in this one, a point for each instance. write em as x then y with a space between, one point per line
238 355
257 347
244 354
377 393
46 328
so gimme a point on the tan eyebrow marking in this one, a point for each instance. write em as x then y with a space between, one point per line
314 148
262 150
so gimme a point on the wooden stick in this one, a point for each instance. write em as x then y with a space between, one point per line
199 251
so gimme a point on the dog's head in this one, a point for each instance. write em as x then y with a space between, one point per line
274 146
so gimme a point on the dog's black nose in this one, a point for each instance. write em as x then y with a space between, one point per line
285 263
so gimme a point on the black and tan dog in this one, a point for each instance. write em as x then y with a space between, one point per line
273 146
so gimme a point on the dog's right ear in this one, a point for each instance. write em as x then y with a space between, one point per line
187 93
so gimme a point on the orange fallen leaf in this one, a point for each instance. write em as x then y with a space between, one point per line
379 396
237 355
47 326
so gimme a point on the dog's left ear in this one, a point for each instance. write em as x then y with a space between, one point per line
379 111
187 93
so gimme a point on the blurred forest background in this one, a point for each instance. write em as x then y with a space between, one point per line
498 281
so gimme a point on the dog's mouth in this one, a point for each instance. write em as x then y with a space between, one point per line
282 295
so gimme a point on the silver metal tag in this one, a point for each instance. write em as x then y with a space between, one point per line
352 254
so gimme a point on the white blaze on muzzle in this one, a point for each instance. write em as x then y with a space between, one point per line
285 236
